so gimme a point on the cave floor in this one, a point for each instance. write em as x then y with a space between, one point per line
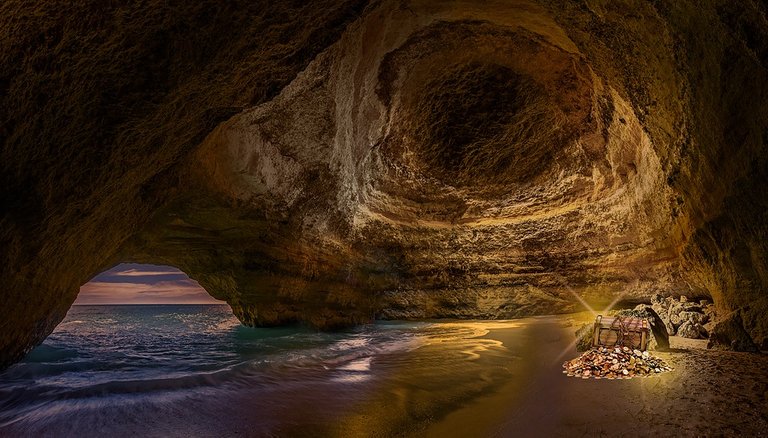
524 392
434 379
709 393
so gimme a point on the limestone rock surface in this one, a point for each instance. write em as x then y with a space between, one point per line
729 334
683 317
333 162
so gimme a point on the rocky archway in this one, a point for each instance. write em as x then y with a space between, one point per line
337 162
143 284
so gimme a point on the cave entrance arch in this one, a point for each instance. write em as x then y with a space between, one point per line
135 283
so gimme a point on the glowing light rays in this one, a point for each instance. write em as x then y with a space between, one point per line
586 305
575 295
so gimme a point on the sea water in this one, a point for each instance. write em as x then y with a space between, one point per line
194 370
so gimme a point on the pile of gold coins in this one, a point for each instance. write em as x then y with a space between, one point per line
614 363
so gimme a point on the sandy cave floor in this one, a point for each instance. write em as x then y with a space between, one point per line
709 393
448 379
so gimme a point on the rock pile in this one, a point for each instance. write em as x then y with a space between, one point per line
614 363
685 318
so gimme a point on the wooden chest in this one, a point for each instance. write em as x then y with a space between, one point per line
623 331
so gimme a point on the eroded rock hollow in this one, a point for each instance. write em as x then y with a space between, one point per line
336 162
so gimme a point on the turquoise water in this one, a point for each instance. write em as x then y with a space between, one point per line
193 370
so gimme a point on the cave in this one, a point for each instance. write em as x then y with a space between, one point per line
339 162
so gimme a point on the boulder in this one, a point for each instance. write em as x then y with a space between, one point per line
729 334
693 317
675 318
692 330
661 307
676 313
685 330
691 307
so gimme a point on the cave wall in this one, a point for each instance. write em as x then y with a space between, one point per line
100 105
334 162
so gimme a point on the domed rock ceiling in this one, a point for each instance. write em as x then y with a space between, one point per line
336 162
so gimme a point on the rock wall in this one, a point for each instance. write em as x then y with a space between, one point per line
101 104
341 161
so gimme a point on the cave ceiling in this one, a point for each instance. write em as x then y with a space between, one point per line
335 162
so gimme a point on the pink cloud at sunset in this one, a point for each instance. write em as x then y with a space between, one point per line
143 284
138 273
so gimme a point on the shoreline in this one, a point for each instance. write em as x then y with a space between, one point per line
709 392
440 379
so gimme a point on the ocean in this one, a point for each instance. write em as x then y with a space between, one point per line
194 370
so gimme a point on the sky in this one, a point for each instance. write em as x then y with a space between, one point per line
132 283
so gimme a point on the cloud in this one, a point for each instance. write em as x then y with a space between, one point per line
138 273
133 283
186 291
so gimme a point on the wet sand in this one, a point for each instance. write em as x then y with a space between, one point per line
504 379
455 379
709 393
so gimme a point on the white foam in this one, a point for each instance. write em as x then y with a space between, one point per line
360 365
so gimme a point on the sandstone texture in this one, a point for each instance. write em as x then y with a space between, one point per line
332 162
682 317
729 334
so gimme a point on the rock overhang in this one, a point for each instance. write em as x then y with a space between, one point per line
453 155
441 159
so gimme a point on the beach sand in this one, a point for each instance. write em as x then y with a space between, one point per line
709 393
455 379
512 385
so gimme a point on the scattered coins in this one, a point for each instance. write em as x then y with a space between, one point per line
614 363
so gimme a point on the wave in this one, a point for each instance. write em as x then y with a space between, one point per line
46 353
89 366
340 355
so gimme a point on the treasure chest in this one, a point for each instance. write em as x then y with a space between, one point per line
625 331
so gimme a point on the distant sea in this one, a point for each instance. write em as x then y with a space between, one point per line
194 370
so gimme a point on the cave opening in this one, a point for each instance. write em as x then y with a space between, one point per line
143 284
145 311
134 303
